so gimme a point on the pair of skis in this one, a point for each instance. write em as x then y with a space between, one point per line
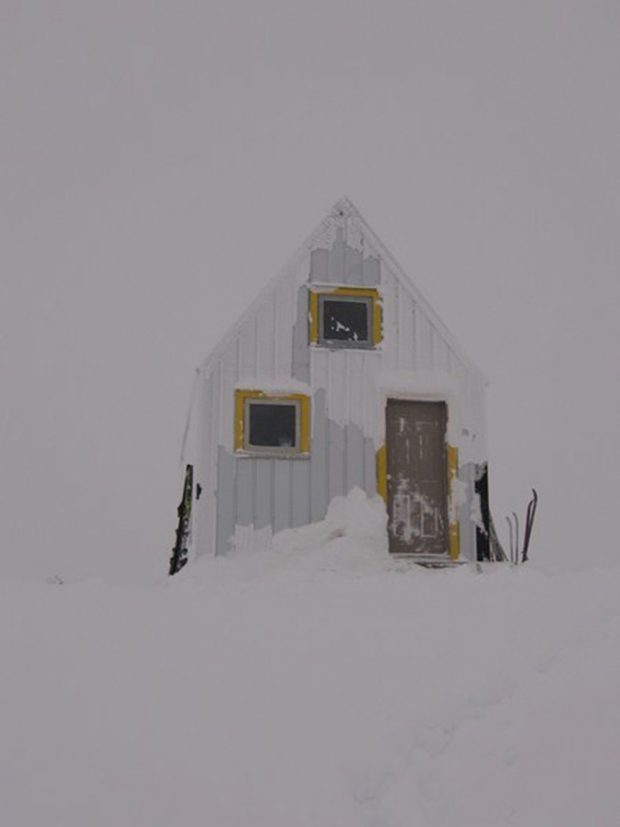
184 530
517 556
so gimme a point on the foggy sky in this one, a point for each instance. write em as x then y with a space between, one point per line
160 161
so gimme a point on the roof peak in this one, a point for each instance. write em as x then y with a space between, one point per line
339 215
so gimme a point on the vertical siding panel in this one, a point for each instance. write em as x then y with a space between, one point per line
319 266
419 336
405 330
409 324
282 495
225 495
319 461
390 322
370 468
335 261
354 440
336 383
431 346
440 349
245 479
445 354
352 266
434 351
319 372
452 368
212 411
207 471
263 499
336 460
301 492
318 458
371 394
299 343
355 379
354 447
426 345
371 271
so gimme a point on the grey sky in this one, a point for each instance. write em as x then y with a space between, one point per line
161 160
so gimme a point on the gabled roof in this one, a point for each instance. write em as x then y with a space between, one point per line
344 208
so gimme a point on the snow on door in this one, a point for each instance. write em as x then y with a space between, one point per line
417 477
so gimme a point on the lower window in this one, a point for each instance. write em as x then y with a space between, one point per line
269 424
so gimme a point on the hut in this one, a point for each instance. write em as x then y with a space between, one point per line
338 376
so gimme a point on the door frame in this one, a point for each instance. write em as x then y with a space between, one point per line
451 454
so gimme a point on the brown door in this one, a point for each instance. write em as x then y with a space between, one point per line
417 477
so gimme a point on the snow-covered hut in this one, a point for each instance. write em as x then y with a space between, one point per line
339 375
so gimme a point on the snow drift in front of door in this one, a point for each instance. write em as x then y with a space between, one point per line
358 517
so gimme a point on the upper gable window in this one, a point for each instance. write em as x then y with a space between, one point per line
345 319
348 317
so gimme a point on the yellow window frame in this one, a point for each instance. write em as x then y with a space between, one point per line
352 293
301 400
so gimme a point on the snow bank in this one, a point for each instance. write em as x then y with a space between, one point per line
357 517
324 685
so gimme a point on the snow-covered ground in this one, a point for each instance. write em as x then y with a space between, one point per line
313 686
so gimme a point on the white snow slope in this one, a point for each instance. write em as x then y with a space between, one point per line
323 686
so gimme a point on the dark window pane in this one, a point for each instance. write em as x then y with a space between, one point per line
272 426
345 321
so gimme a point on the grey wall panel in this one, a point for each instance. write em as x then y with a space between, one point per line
300 488
318 265
343 264
301 349
354 457
335 436
405 336
263 493
467 474
335 262
370 467
225 496
245 479
371 271
281 495
319 479
352 266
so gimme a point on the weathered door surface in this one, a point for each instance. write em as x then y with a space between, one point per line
417 477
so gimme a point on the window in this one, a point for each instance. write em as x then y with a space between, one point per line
348 317
271 424
345 319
